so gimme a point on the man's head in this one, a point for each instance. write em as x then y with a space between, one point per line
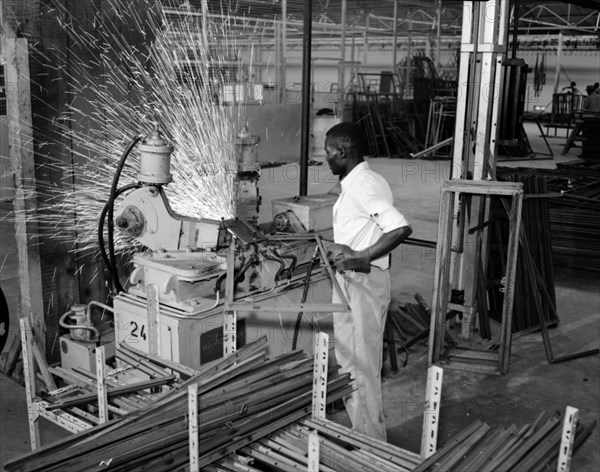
344 146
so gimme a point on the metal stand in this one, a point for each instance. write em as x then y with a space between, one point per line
82 381
463 192
36 408
481 78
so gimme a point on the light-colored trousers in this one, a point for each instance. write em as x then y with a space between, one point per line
358 341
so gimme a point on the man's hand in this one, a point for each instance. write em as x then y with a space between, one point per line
345 258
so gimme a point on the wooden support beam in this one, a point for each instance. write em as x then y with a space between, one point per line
21 154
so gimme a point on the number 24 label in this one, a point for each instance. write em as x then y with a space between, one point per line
134 332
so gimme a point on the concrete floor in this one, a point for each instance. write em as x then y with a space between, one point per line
531 385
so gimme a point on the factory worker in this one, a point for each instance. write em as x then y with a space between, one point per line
592 102
366 227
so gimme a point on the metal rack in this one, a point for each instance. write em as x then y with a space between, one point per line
89 399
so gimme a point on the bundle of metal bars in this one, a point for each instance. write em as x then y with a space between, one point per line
241 399
440 125
535 227
339 449
574 207
531 447
138 382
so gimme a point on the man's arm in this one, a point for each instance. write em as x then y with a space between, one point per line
346 258
388 242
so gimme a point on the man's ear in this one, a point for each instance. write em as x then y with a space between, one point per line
342 151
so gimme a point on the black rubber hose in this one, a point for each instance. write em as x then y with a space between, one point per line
4 320
245 266
220 281
276 259
304 295
292 266
111 202
113 274
223 276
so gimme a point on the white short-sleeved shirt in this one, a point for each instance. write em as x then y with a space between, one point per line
364 211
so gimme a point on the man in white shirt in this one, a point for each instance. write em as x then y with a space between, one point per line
366 228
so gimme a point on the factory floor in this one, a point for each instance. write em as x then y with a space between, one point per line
531 386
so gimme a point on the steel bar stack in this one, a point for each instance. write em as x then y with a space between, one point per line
440 124
242 399
574 214
339 449
531 447
536 229
138 382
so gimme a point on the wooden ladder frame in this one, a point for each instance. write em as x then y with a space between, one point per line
461 191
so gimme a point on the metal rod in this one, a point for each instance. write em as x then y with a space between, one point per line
306 67
395 47
515 29
282 69
342 77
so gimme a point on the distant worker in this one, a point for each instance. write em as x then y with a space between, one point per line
572 88
590 89
366 228
592 103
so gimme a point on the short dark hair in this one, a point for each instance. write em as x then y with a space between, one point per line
347 135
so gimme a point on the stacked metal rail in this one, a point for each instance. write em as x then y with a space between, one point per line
535 229
574 213
339 449
240 400
530 447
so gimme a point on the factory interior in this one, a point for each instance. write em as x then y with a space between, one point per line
167 286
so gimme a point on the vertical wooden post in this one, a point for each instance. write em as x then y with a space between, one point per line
20 145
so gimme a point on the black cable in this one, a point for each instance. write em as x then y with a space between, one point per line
245 266
304 295
292 257
113 274
273 257
111 201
